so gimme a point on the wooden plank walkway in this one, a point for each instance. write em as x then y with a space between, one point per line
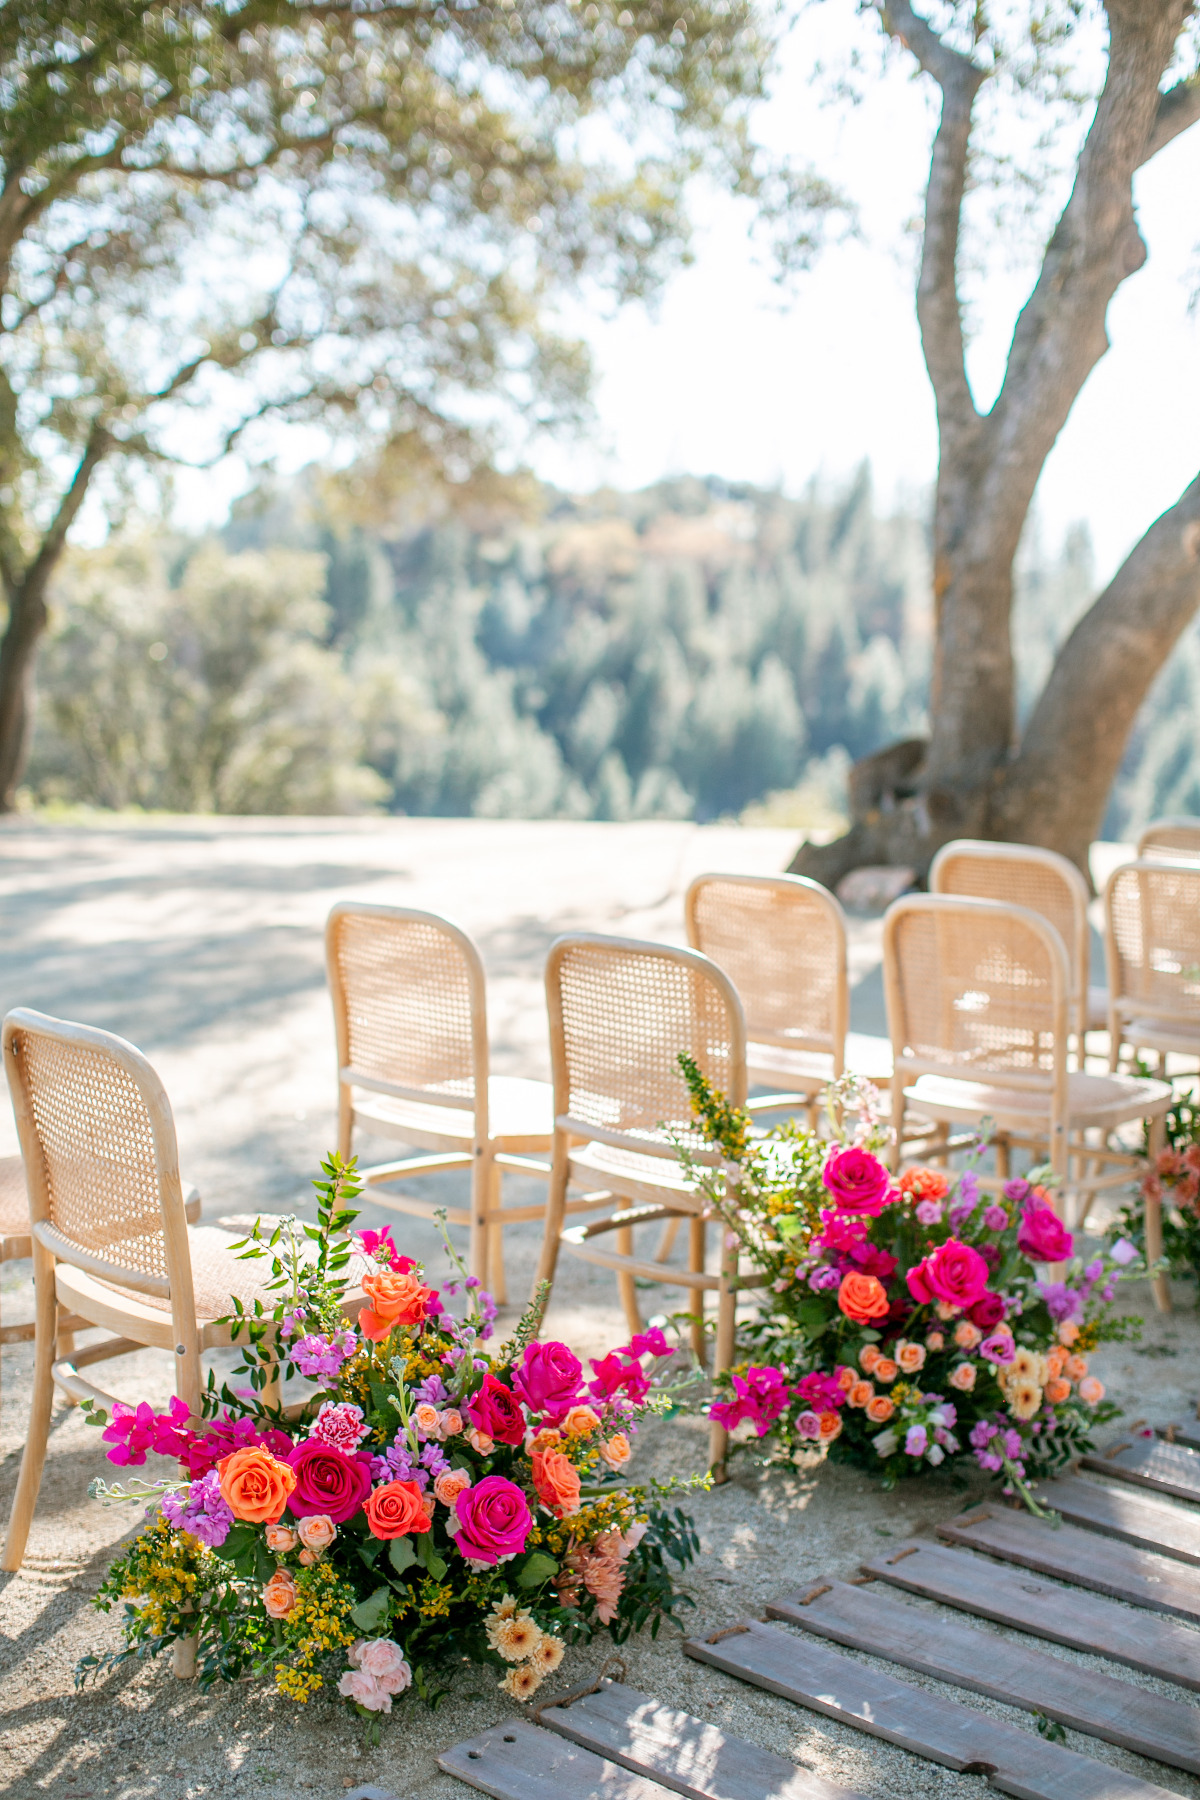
517 1761
1142 1640
1131 1516
1014 1672
1170 1469
1124 1572
1187 1433
1017 1762
690 1756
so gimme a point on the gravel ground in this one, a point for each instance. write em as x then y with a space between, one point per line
232 1012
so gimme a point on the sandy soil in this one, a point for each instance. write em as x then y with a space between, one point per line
202 943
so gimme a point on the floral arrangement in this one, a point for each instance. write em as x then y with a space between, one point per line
423 1503
1173 1177
908 1322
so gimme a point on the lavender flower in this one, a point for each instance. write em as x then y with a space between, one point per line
434 1458
916 1440
995 1218
320 1356
1062 1302
1123 1253
431 1391
200 1511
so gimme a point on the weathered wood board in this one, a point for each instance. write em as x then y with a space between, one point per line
1017 1762
1146 1641
1164 1468
1124 1513
690 1756
1187 1432
518 1761
1016 1673
1123 1572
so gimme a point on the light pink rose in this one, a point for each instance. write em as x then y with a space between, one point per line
280 1539
450 1485
452 1422
808 1425
317 1531
384 1661
364 1690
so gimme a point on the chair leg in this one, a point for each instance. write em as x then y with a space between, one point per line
495 1280
1003 1156
626 1285
897 1112
667 1241
556 1206
1161 1285
723 1353
481 1183
697 1252
32 1462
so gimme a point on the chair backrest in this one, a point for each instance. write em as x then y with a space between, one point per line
976 990
782 939
1024 875
409 1006
620 1013
1152 940
1172 839
101 1159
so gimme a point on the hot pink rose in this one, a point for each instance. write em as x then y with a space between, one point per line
328 1481
1042 1237
548 1380
496 1411
494 1520
858 1181
953 1273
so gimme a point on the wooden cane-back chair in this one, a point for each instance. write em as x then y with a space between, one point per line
977 998
15 1239
782 940
111 1245
620 1014
410 1015
1046 883
1152 941
1175 840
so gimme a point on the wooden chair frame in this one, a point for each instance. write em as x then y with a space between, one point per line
72 1290
1036 1108
1087 1009
487 1156
1172 839
1165 1029
640 1196
827 1040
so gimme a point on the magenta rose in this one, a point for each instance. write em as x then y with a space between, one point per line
858 1181
328 1481
1042 1236
494 1520
496 1411
987 1311
548 1380
953 1272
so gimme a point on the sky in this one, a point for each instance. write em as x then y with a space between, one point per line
730 376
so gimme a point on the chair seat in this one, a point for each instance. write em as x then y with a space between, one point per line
805 1071
1100 1100
634 1177
869 1057
1162 1034
520 1116
1097 1009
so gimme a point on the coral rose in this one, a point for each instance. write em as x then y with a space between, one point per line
496 1411
617 1450
328 1481
452 1422
858 1181
868 1356
317 1531
911 1357
494 1520
450 1485
966 1335
397 1298
845 1377
1057 1390
1091 1391
581 1421
1068 1331
880 1409
861 1393
280 1539
963 1377
255 1485
831 1426
279 1595
395 1509
886 1370
862 1298
1076 1367
556 1481
428 1420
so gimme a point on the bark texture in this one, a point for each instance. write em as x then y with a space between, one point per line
975 780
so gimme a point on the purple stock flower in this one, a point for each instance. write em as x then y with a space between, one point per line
995 1218
431 1391
1062 1302
982 1434
318 1356
929 1212
824 1278
434 1458
398 1464
1017 1190
201 1511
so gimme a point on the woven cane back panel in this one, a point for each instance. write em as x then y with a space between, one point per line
625 1018
408 1002
1016 881
1170 838
976 993
1155 912
783 951
97 1146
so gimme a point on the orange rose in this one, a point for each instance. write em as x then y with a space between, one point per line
556 1481
1055 1360
428 1420
548 1438
450 1485
831 1426
1068 1331
1091 1391
861 1394
397 1297
861 1298
616 1450
886 1369
880 1409
280 1539
1076 1367
846 1378
868 1356
581 1421
452 1422
963 1377
255 1485
1057 1390
395 1509
911 1357
279 1595
924 1184
317 1531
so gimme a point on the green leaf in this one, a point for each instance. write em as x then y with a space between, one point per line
371 1613
401 1554
428 1557
238 1544
537 1568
